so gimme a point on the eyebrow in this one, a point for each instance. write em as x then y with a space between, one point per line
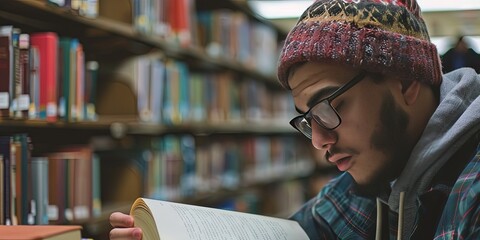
320 95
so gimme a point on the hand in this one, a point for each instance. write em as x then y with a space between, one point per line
123 227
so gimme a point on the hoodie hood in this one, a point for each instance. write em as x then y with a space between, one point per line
456 119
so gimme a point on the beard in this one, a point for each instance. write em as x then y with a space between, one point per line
391 139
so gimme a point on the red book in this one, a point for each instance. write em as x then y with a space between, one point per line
40 232
180 21
47 45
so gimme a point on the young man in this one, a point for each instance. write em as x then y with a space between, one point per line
367 82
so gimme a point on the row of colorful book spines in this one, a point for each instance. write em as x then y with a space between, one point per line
222 98
141 161
59 186
249 150
13 162
25 181
228 33
169 93
174 167
42 95
178 184
219 32
50 193
180 165
61 208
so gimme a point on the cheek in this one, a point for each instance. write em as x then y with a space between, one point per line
360 121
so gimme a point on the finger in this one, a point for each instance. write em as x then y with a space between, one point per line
118 219
126 234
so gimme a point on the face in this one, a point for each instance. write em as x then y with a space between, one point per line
371 143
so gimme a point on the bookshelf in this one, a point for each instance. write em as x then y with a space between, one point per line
239 142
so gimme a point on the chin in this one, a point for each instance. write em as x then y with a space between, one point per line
371 188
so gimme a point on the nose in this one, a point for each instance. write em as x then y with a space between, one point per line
322 138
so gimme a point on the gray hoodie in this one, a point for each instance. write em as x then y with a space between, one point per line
456 119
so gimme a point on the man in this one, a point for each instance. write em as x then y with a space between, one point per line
461 55
367 82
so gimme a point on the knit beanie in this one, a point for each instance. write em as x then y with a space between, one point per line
381 36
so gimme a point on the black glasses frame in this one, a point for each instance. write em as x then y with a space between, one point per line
307 116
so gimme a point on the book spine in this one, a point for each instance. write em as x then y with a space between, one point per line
72 55
23 99
6 69
89 8
184 108
47 44
82 183
40 189
91 73
64 78
2 190
57 194
96 189
15 84
5 148
15 158
168 108
34 107
25 178
188 177
143 79
156 90
80 83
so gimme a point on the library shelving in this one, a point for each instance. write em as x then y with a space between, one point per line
170 99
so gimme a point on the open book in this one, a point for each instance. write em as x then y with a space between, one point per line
168 220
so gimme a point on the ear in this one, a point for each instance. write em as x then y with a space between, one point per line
411 91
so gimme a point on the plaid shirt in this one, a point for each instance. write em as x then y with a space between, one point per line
336 213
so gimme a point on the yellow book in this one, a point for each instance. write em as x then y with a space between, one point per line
40 232
168 220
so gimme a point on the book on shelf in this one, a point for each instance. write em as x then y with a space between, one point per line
40 232
8 197
91 76
66 76
168 220
47 45
70 184
39 171
22 86
6 66
2 190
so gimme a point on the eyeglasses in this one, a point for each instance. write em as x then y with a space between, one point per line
323 112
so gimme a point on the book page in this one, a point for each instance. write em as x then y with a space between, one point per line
188 222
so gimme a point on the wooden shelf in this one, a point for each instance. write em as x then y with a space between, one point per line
121 126
212 128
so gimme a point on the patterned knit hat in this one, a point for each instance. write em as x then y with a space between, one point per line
383 36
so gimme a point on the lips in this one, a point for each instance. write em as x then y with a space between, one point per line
341 160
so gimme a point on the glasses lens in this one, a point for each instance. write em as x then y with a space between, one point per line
325 115
303 126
